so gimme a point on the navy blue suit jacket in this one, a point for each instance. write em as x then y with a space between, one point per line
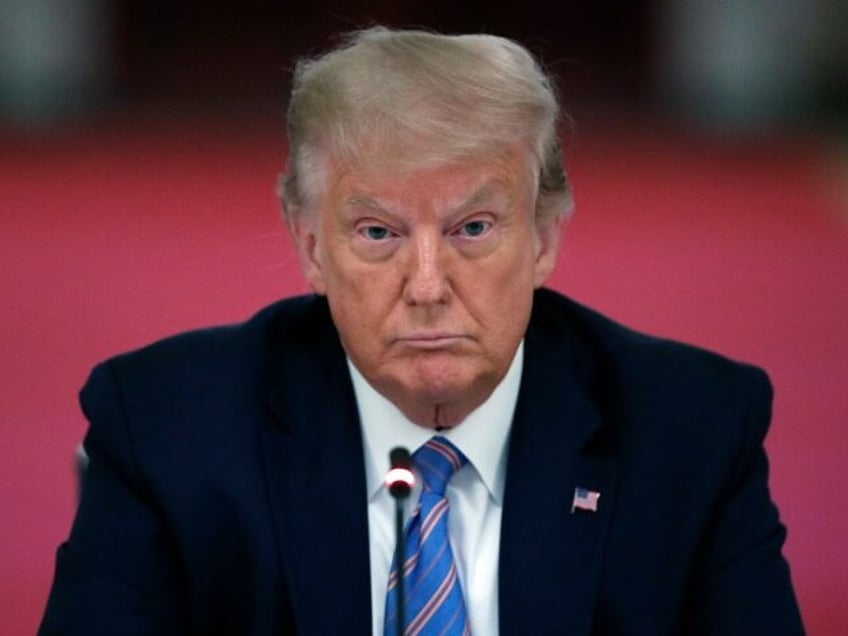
226 488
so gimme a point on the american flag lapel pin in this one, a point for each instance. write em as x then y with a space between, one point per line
585 499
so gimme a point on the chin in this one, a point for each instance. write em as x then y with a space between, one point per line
447 381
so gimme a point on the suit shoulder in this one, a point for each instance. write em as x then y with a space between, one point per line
207 367
646 362
216 343
204 389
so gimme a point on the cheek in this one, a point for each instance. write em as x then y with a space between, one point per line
499 293
342 269
516 278
359 283
509 271
361 296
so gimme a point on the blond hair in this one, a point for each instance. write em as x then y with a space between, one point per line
450 98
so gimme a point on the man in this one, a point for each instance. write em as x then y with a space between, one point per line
597 480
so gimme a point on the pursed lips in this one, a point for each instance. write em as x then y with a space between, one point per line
436 340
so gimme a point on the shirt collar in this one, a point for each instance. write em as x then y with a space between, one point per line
482 436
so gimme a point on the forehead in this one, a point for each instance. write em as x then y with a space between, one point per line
390 179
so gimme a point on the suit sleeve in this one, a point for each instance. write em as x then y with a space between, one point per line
742 583
118 572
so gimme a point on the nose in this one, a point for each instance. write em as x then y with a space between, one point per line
426 280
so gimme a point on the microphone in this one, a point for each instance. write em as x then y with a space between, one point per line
399 481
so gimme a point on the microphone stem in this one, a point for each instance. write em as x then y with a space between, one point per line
400 558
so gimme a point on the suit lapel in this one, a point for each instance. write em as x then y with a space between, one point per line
316 481
550 558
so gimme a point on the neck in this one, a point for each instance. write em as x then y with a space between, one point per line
438 416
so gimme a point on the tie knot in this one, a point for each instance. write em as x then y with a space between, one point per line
437 461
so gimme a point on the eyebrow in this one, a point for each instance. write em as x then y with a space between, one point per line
489 190
364 201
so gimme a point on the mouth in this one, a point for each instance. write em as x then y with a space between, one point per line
432 341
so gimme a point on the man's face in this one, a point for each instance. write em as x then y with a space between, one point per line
429 277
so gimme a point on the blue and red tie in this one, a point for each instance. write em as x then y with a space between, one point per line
434 602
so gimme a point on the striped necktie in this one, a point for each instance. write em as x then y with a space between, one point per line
434 603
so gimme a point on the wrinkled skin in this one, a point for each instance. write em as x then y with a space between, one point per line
429 276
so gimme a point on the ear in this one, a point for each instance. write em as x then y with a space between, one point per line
303 227
547 246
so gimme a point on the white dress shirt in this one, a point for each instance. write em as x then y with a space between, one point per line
475 492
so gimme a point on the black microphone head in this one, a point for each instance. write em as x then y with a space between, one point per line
399 457
400 479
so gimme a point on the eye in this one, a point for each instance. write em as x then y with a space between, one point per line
376 232
474 228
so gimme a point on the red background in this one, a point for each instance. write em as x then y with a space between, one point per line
159 216
117 234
